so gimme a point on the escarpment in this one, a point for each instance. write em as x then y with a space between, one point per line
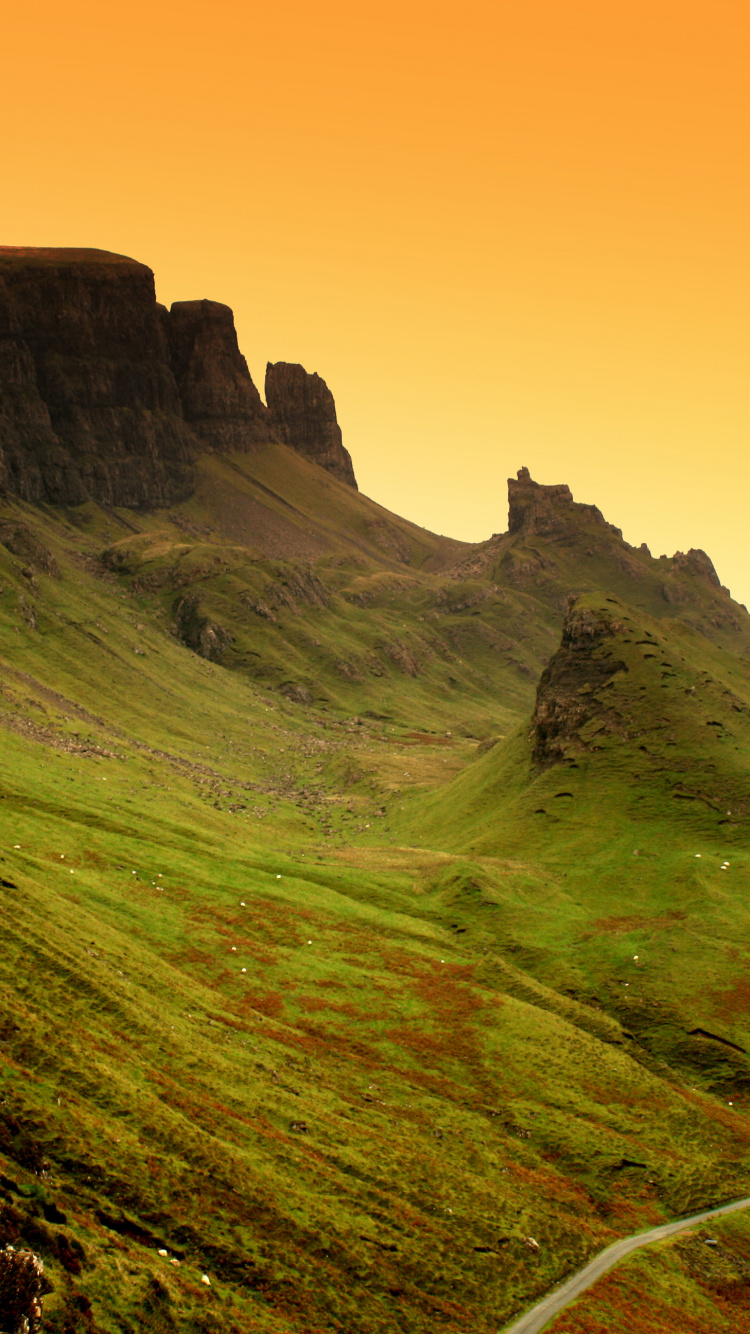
89 407
304 413
107 396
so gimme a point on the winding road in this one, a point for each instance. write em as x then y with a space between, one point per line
539 1315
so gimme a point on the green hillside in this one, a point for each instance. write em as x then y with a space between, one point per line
318 967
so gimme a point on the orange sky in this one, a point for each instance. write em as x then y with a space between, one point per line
504 233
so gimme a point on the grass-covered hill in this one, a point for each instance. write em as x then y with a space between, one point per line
629 788
319 918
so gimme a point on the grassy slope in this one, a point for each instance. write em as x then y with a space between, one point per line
632 831
456 1099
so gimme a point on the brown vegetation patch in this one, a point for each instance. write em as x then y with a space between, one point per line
626 1307
734 1001
269 1003
314 1004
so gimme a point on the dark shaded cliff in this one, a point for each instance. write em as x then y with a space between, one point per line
219 399
89 407
107 396
304 413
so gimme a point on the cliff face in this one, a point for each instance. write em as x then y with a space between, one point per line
106 396
89 407
304 413
219 399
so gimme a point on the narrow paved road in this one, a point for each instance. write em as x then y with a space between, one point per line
536 1319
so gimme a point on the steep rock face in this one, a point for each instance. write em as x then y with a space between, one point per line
89 407
547 511
27 441
304 413
567 695
219 399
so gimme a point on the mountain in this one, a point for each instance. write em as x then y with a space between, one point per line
374 905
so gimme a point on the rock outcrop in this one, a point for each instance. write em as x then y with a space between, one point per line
696 562
547 511
219 399
567 697
304 413
197 631
89 407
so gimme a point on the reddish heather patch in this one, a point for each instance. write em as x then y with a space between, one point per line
263 1002
734 1002
192 955
313 1004
345 1042
550 1186
95 859
627 1301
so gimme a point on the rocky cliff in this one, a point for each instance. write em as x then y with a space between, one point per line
89 407
547 511
304 413
568 693
219 399
107 396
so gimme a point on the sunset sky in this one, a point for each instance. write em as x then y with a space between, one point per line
505 233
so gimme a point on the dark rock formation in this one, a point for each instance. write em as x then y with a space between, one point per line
89 408
106 396
197 631
219 399
567 696
547 511
22 1290
304 413
23 542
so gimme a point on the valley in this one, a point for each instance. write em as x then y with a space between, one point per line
375 906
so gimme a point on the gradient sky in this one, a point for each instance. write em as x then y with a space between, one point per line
505 233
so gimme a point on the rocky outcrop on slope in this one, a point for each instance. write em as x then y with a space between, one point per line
89 407
547 511
219 399
197 631
24 543
567 697
304 413
696 562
